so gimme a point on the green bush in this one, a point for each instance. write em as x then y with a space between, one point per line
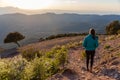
107 46
64 35
12 70
35 70
4 71
61 56
118 54
33 64
73 44
113 27
83 54
31 53
53 67
118 31
53 51
40 69
112 37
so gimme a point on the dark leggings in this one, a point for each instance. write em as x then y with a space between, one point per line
90 58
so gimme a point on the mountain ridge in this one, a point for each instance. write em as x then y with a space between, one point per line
41 25
9 9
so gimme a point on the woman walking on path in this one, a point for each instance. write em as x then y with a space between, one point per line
90 44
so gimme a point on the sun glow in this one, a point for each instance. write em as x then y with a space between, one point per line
30 4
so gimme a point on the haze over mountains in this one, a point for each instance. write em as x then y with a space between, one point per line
11 10
41 25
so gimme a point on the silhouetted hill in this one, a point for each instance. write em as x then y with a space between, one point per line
40 25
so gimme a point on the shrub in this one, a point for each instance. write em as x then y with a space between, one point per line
111 37
118 36
35 66
35 70
73 44
61 56
113 27
64 35
83 54
4 71
118 54
107 46
12 70
52 67
31 53
40 69
41 39
118 31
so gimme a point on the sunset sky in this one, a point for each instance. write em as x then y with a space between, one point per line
79 5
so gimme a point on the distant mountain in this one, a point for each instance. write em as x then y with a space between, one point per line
12 10
8 10
41 25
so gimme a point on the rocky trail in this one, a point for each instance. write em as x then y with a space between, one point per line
106 64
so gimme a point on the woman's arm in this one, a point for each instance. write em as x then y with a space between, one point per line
84 42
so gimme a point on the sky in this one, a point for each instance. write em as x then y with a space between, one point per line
78 5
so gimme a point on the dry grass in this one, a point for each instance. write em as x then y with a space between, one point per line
47 45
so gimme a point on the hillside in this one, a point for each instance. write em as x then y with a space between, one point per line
42 25
106 65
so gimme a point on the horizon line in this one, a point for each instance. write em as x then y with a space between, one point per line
62 13
58 11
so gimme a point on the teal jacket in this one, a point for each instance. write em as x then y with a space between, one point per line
89 43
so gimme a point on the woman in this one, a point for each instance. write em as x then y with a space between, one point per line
90 43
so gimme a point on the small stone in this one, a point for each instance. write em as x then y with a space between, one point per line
115 63
116 75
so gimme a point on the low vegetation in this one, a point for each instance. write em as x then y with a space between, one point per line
83 55
35 64
38 67
113 27
107 46
62 35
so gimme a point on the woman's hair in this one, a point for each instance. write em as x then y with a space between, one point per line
92 32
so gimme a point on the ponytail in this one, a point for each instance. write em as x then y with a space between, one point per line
92 32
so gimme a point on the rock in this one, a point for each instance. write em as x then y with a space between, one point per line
116 75
115 63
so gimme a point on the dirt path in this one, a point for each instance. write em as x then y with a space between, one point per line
76 70
104 68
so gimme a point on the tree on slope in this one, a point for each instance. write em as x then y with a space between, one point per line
113 27
14 37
